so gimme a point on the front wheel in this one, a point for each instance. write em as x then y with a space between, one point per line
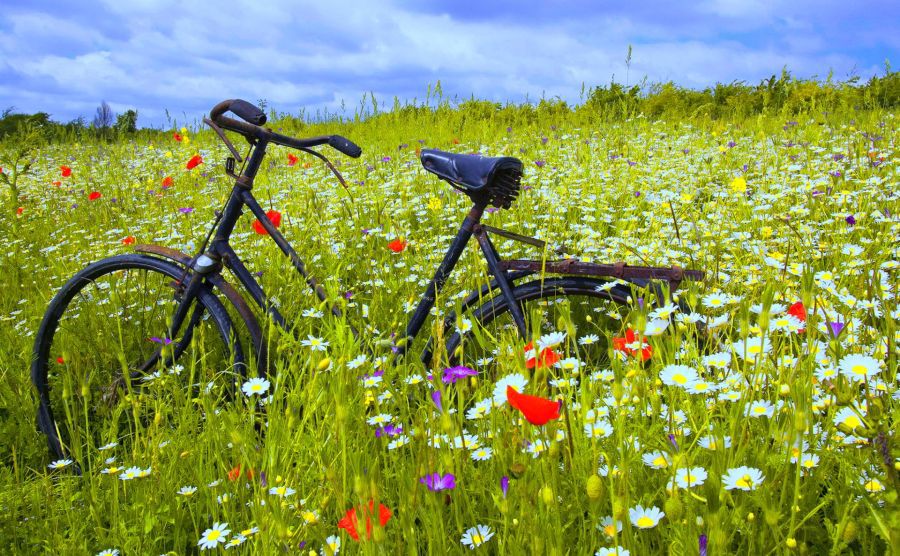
573 316
106 364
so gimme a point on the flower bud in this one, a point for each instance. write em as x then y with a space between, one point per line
594 487
547 495
324 364
674 508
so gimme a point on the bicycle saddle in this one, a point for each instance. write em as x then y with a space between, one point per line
492 179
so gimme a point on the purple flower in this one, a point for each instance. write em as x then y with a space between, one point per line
837 157
543 140
835 174
388 430
836 328
348 294
492 210
158 340
186 210
539 163
850 220
673 441
685 151
504 485
436 398
262 479
508 130
703 541
731 144
385 159
436 482
453 374
630 163
637 193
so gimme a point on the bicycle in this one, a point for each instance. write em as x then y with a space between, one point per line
187 326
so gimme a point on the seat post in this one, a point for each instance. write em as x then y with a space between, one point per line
443 272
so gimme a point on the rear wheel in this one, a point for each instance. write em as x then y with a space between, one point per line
574 317
106 366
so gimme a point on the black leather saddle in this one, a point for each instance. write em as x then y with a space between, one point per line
494 179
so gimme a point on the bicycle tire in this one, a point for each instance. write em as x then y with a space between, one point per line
58 353
494 316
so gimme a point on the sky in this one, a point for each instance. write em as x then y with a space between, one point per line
181 56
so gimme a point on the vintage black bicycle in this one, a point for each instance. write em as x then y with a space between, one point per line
129 320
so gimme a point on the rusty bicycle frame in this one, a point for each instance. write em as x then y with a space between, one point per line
216 252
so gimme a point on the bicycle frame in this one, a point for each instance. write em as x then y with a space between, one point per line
220 254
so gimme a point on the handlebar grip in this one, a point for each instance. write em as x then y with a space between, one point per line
248 112
242 109
345 145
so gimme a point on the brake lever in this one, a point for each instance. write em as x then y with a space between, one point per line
224 138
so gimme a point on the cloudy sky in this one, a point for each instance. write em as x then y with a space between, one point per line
65 56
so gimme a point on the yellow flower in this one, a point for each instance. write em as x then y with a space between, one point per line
739 185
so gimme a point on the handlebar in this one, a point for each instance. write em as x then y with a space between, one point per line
254 118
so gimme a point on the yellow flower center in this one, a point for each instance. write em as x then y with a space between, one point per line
852 421
680 378
610 530
660 462
874 485
477 539
256 387
859 369
213 535
754 350
759 409
644 521
808 463
745 481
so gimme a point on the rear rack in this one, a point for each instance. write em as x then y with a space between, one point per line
673 274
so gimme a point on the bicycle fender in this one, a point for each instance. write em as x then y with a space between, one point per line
237 301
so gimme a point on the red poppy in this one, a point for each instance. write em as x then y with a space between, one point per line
274 217
195 161
177 136
60 360
94 196
537 411
235 473
57 183
20 210
397 245
167 181
619 344
350 519
128 240
66 171
799 311
292 159
548 357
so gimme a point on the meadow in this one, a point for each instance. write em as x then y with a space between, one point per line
776 432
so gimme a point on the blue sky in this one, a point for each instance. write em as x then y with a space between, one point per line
64 57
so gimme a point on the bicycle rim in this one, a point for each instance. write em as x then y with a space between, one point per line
107 367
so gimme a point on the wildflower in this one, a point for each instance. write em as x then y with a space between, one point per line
109 552
476 536
537 411
437 482
130 473
350 520
94 195
398 442
645 518
656 327
256 385
601 428
60 463
236 540
504 485
453 374
333 543
273 216
871 484
167 182
128 240
186 210
711 443
629 346
316 344
807 461
292 159
760 408
195 161
379 419
751 347
743 478
397 245
177 136
515 380
678 375
656 460
187 490
688 477
214 536
282 491
482 454
609 526
859 367
588 340
798 311
613 551
848 418
547 357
